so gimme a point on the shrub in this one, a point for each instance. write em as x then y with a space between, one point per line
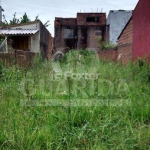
105 45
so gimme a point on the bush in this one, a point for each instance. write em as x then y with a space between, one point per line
105 45
75 55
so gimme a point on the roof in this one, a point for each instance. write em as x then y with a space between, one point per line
125 27
17 31
115 11
22 24
91 13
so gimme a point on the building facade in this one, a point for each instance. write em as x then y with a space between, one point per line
32 37
141 30
83 32
116 21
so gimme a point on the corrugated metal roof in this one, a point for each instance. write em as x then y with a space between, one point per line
17 31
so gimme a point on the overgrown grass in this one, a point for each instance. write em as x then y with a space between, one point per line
39 109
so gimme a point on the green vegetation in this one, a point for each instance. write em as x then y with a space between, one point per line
23 19
105 45
63 106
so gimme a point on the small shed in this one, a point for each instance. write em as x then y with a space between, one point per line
32 37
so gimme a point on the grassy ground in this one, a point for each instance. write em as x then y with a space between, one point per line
78 103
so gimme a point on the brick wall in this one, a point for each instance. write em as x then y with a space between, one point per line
65 21
25 59
108 55
141 30
20 58
125 41
60 25
81 19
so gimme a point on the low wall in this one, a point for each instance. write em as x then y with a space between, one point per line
108 55
20 58
124 53
8 59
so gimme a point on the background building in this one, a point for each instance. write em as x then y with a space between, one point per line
116 21
83 32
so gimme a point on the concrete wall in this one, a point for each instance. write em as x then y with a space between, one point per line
141 30
116 21
125 42
35 45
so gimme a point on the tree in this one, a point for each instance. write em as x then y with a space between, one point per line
23 19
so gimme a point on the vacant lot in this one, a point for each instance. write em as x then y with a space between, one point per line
76 103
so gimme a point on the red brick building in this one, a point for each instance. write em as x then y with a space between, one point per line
80 32
133 42
141 30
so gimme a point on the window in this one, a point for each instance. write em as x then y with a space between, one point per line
98 33
21 42
68 34
92 19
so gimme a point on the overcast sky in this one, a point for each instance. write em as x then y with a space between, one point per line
49 9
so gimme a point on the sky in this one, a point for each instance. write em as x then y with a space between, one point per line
49 9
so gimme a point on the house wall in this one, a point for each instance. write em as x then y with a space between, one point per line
84 32
41 41
125 42
45 39
87 31
81 19
94 33
35 45
141 30
62 25
117 20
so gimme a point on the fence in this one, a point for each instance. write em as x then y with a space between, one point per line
20 58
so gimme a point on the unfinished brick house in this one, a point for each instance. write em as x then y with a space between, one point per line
83 32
